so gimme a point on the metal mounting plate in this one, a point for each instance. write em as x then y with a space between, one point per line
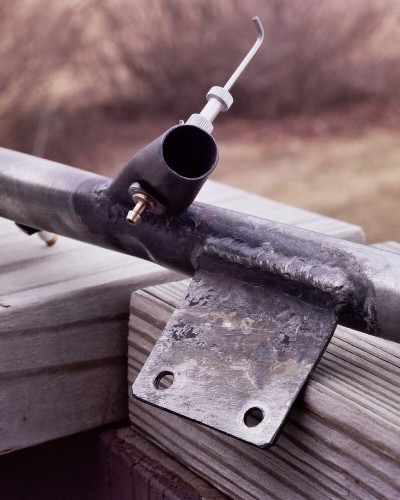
239 350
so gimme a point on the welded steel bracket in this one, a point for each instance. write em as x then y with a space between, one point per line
238 351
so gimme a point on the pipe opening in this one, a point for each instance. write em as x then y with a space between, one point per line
190 152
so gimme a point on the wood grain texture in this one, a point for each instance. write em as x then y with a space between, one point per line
341 440
128 437
63 329
63 323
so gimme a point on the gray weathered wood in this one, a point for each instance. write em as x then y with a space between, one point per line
63 323
341 440
63 327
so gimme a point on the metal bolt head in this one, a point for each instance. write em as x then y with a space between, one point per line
142 203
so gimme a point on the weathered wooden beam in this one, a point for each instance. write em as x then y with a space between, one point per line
63 328
342 439
63 323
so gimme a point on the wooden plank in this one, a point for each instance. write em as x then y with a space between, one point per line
239 200
341 440
63 317
63 328
176 471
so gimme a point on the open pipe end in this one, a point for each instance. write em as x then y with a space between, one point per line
190 152
171 170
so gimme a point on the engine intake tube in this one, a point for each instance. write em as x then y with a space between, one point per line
172 169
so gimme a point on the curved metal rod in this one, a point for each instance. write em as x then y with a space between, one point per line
239 70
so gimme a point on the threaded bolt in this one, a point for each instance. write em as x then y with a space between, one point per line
142 203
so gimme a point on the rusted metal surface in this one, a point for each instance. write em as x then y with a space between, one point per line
363 282
239 350
241 263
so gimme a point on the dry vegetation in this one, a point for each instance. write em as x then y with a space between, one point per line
63 61
79 80
354 178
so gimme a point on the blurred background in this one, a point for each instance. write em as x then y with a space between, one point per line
316 116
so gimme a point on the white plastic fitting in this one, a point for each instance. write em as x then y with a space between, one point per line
219 98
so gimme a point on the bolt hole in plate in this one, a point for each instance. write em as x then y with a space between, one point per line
241 343
253 417
164 380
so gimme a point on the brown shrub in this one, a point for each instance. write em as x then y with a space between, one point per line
60 60
40 48
317 53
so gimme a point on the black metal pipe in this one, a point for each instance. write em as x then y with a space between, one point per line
172 169
363 282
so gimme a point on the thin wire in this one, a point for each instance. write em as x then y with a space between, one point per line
260 37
